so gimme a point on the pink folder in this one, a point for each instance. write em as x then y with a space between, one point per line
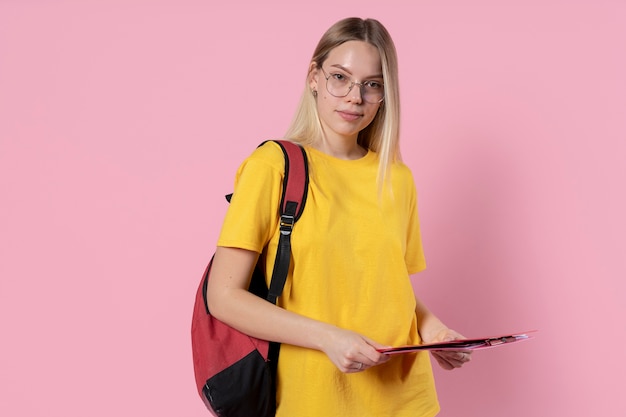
462 344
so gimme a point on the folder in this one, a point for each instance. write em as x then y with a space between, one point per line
462 344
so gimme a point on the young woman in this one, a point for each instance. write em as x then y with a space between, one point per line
348 291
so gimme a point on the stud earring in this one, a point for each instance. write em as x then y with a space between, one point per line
314 92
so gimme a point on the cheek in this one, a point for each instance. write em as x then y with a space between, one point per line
325 102
371 114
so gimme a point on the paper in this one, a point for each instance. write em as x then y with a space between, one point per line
462 344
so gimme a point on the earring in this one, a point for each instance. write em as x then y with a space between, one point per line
314 92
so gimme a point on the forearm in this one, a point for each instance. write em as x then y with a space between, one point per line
432 330
230 302
429 325
258 318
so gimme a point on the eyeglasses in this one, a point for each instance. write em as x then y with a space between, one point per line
340 85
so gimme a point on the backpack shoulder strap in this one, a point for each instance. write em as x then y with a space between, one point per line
292 202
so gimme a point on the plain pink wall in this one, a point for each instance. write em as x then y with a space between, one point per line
122 124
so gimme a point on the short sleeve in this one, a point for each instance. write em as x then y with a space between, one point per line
414 257
252 217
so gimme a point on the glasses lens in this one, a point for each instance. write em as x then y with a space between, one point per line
373 92
339 85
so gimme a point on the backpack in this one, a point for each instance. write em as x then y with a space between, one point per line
235 373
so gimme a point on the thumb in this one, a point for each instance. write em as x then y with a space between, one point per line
375 344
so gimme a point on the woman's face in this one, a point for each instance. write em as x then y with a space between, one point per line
344 117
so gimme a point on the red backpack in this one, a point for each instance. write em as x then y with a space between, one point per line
235 373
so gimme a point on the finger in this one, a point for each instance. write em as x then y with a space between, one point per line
374 343
355 363
457 358
456 361
443 363
462 356
377 359
451 359
371 355
353 367
361 362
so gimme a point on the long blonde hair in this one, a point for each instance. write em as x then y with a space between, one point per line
382 134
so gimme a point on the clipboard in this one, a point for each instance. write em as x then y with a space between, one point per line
462 344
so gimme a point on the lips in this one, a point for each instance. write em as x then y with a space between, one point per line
348 115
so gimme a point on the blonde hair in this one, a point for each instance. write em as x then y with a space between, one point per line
382 134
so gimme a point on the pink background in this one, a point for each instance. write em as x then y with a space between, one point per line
122 124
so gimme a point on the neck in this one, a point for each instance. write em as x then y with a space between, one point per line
342 149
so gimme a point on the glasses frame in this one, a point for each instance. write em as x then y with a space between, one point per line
352 84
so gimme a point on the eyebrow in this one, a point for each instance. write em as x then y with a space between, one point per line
341 67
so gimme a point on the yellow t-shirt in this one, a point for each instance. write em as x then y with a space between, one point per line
352 256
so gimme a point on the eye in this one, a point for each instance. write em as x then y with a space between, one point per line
374 85
339 77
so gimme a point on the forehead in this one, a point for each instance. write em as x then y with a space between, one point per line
360 58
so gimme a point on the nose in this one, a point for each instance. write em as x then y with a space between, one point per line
356 93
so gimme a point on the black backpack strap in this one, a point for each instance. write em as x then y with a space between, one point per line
293 199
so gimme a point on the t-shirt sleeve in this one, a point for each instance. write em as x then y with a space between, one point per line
414 257
252 216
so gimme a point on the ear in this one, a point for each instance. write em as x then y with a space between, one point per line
313 76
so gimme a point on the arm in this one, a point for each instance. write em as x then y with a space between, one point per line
230 302
432 330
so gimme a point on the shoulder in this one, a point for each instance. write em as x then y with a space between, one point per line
267 156
402 172
402 182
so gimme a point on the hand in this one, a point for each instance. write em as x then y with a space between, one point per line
450 359
352 352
